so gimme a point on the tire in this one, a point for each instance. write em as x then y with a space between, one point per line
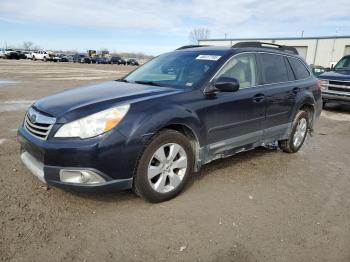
323 104
34 58
45 59
300 128
166 181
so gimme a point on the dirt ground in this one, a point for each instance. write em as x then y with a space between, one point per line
262 205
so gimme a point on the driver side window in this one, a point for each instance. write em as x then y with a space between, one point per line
243 68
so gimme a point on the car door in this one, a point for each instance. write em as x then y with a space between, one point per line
280 88
234 119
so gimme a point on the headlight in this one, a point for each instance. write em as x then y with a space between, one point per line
95 124
324 84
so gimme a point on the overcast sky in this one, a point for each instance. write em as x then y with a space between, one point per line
157 26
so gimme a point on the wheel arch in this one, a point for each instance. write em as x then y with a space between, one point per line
307 104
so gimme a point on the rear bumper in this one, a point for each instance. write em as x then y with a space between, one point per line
51 176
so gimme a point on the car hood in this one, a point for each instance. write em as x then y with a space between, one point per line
79 102
336 75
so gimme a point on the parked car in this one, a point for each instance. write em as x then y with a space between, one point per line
150 130
132 62
8 53
336 83
62 58
77 58
53 57
117 60
40 55
22 54
28 54
70 58
101 60
85 60
317 70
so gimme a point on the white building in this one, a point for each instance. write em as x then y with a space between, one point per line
323 51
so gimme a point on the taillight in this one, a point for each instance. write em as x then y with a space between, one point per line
318 85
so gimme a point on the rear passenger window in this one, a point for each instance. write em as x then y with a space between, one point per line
273 68
299 68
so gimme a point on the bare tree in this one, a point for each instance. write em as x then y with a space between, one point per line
27 45
198 34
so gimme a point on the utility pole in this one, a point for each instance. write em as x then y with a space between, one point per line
225 36
302 34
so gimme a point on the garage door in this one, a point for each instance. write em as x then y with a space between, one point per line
302 50
347 50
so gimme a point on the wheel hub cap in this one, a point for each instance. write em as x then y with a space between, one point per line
300 132
167 167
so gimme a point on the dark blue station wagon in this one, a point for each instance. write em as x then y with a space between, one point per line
150 130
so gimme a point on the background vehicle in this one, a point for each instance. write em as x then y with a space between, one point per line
117 60
77 58
317 70
336 83
62 58
22 54
132 62
8 53
53 57
28 55
101 60
70 58
152 129
40 55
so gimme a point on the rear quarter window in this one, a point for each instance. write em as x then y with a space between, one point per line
300 70
274 69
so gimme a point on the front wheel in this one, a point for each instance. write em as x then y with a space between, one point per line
164 167
299 132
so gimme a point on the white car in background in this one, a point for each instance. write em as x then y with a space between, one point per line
29 55
40 55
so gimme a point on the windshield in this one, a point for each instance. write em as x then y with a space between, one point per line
180 69
343 64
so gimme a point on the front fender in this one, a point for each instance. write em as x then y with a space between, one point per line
148 123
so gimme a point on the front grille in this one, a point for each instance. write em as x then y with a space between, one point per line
339 86
37 124
339 83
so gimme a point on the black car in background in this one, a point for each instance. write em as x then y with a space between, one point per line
117 60
22 54
132 62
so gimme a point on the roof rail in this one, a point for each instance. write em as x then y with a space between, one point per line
285 48
190 46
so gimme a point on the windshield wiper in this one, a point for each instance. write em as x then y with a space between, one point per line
151 83
122 80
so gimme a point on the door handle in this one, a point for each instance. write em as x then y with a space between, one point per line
296 90
258 98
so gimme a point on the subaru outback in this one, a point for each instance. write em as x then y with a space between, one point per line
152 129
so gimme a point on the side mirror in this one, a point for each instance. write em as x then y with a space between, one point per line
227 84
332 67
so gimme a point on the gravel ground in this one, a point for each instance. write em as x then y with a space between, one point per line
262 205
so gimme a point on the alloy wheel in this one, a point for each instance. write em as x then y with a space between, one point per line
167 167
300 132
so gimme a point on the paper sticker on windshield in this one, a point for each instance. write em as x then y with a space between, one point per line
208 57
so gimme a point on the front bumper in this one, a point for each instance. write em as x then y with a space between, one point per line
330 96
50 175
107 156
